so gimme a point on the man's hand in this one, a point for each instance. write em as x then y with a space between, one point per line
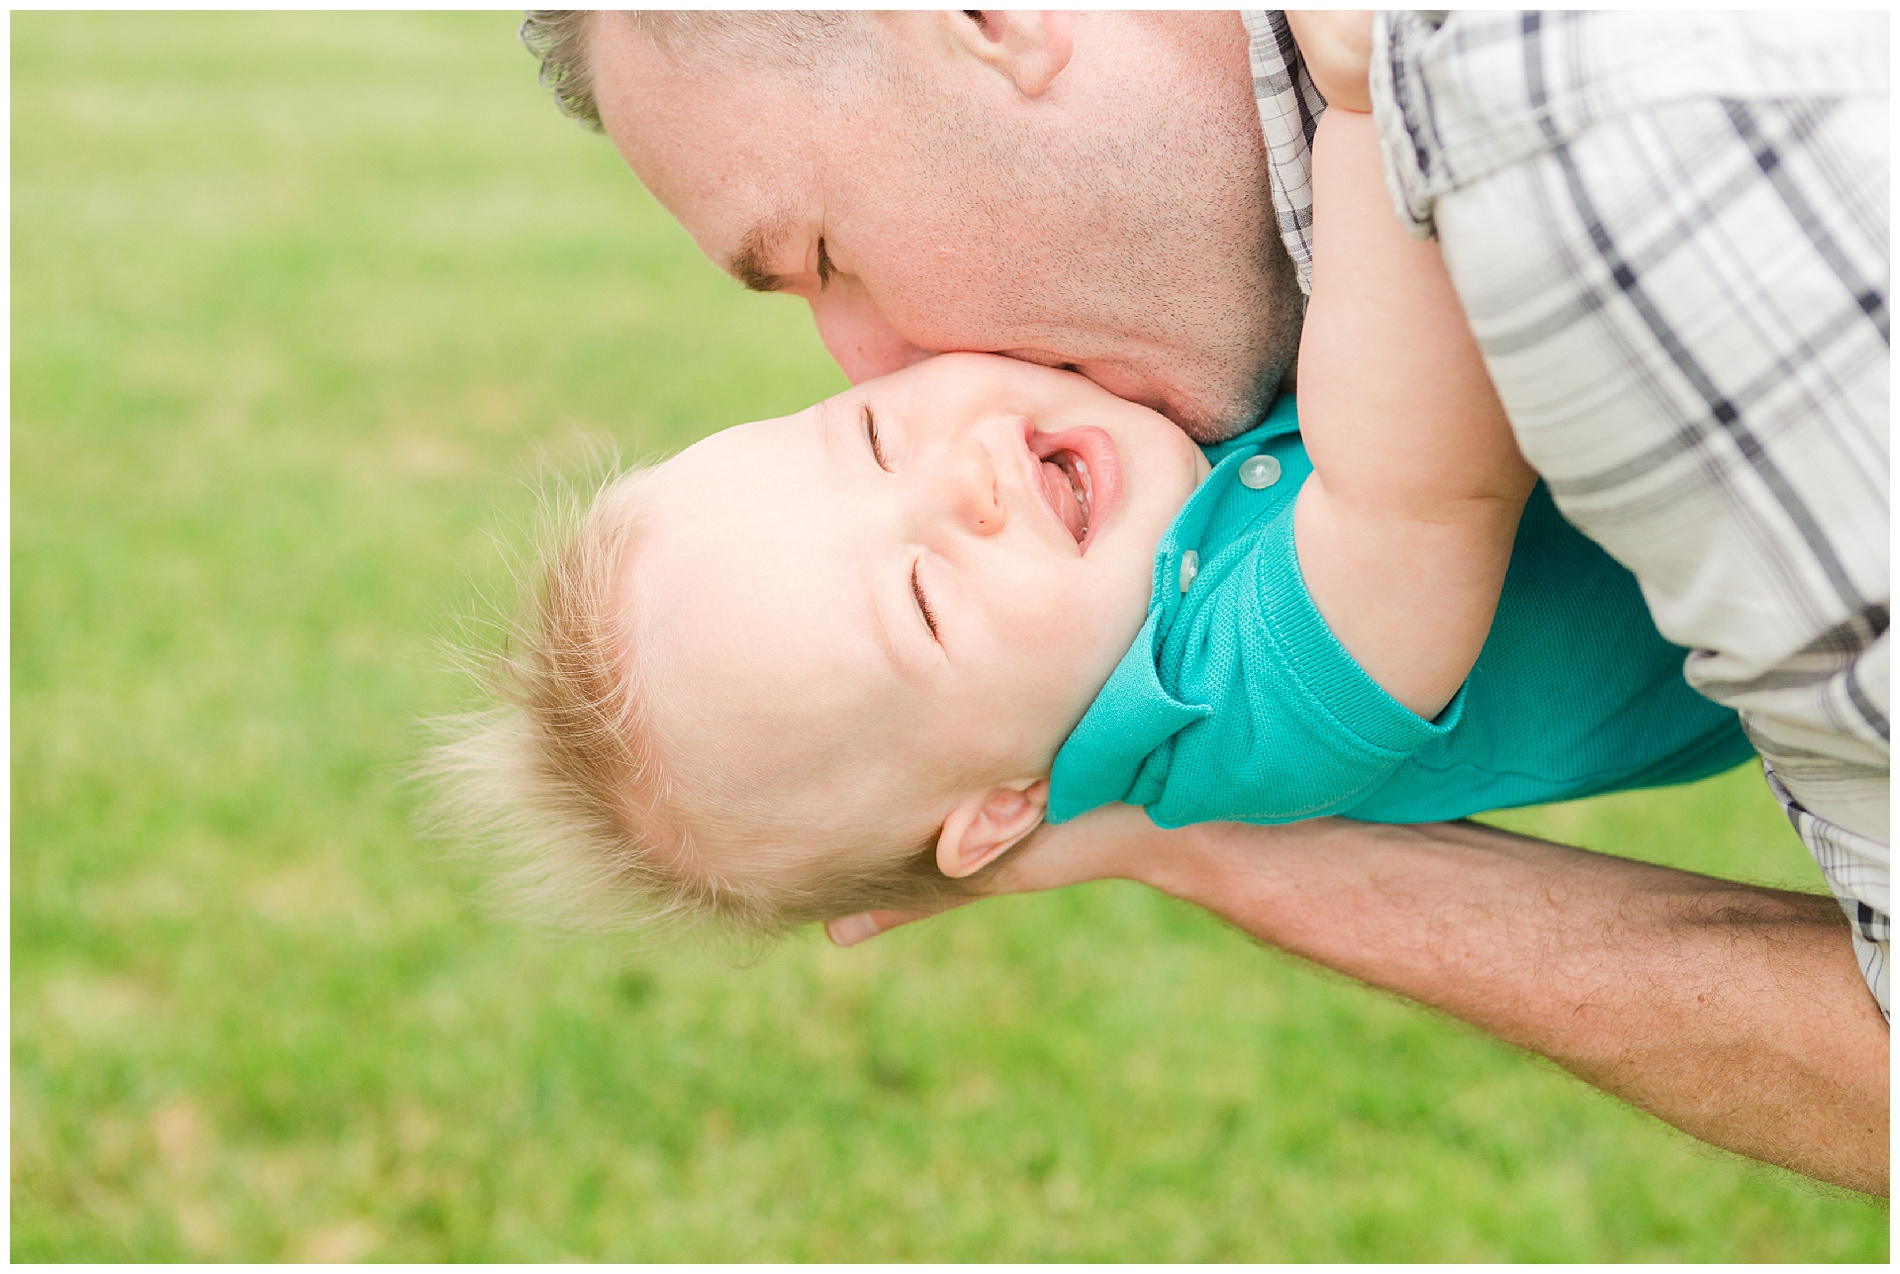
1336 45
1100 845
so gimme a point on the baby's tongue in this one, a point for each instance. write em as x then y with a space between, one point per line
1061 496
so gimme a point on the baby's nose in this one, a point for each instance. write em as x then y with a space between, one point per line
967 491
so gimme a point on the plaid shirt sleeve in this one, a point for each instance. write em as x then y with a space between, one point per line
1290 108
1670 234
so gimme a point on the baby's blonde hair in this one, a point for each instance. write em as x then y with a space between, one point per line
563 781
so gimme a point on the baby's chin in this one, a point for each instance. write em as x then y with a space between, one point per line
1198 466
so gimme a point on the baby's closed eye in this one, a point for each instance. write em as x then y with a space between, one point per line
923 605
870 433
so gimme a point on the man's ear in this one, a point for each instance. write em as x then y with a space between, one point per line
986 823
1030 48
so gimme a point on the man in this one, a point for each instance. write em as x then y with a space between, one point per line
1677 271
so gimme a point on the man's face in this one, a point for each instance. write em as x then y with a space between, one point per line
1119 224
905 593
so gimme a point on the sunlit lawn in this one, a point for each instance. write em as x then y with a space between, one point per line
302 305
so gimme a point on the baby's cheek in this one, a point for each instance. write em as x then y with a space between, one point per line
1069 654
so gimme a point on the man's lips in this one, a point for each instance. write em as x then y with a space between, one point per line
1080 479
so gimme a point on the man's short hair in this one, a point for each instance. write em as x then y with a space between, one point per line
559 38
803 40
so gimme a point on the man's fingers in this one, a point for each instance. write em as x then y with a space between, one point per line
1087 849
849 931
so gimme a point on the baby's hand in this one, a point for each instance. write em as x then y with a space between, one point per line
1337 47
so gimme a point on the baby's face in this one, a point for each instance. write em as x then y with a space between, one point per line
909 591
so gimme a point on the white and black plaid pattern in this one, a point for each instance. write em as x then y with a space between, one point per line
1856 877
1290 108
1677 268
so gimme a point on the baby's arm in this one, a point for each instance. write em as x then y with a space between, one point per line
1404 529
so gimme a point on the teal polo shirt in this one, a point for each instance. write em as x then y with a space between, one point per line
1237 703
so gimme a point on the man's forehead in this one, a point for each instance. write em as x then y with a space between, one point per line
728 154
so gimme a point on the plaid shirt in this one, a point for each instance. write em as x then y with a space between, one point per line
1677 268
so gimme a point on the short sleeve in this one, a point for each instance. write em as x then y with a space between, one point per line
1297 728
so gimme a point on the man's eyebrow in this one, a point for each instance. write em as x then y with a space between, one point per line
757 247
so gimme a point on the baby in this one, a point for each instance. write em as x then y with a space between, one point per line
847 659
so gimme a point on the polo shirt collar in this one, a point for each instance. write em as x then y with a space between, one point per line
1122 748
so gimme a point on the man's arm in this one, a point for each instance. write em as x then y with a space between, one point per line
1733 1012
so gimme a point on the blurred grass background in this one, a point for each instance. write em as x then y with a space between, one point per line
301 306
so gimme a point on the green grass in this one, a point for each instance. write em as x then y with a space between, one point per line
301 305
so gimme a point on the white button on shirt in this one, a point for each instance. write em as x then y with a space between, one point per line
1259 473
1190 567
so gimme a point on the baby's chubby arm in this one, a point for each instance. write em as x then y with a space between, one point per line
1404 529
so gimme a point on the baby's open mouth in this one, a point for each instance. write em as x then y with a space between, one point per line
1080 472
1067 486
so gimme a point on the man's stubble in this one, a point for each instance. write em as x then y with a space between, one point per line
1167 226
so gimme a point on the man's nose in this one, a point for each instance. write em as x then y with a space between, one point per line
856 333
958 489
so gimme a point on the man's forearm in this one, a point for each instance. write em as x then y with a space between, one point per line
1735 1013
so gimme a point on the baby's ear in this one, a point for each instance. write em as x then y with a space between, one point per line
986 823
